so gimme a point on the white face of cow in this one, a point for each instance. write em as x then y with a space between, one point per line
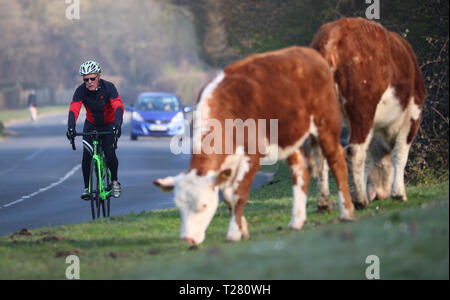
197 199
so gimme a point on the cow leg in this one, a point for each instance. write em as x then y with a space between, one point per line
318 167
357 154
239 192
335 155
399 159
234 232
324 204
300 177
400 153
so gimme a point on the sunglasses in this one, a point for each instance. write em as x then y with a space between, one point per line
89 79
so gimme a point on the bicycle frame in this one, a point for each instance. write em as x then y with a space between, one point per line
99 158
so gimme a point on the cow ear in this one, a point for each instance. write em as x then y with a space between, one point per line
223 177
165 184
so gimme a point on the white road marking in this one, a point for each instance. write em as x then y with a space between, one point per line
9 169
44 189
28 158
34 154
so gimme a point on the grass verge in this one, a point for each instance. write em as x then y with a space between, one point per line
411 239
17 115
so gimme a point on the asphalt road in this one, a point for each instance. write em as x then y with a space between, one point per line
41 180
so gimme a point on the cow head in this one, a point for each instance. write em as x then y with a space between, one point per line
197 199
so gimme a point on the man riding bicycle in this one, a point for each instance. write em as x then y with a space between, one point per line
104 112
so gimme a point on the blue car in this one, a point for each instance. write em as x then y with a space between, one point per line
157 114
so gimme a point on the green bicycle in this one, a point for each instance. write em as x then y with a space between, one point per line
100 176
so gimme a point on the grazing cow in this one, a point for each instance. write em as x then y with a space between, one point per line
294 86
381 91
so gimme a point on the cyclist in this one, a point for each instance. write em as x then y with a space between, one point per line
104 112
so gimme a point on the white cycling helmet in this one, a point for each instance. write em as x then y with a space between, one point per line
90 67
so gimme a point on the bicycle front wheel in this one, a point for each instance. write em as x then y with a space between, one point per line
94 190
106 203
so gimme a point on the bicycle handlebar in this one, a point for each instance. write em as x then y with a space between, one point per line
96 134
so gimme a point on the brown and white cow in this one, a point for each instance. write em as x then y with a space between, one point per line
381 91
294 86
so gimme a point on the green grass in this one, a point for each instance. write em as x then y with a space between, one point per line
411 239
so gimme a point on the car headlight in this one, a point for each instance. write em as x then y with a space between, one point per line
137 117
178 117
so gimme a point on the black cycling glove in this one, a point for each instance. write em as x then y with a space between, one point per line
117 131
71 133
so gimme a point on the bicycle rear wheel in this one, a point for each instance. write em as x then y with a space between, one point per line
95 195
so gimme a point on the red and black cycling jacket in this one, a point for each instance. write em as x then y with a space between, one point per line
103 106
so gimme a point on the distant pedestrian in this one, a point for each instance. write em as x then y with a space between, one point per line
32 105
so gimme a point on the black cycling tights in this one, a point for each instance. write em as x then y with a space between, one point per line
107 146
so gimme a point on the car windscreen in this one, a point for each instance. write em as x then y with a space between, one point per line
159 103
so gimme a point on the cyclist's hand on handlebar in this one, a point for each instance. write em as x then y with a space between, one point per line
117 131
71 133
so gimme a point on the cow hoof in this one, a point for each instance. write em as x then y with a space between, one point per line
372 194
245 235
234 238
361 205
346 214
230 240
324 204
296 225
325 208
402 198
244 228
382 195
347 219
